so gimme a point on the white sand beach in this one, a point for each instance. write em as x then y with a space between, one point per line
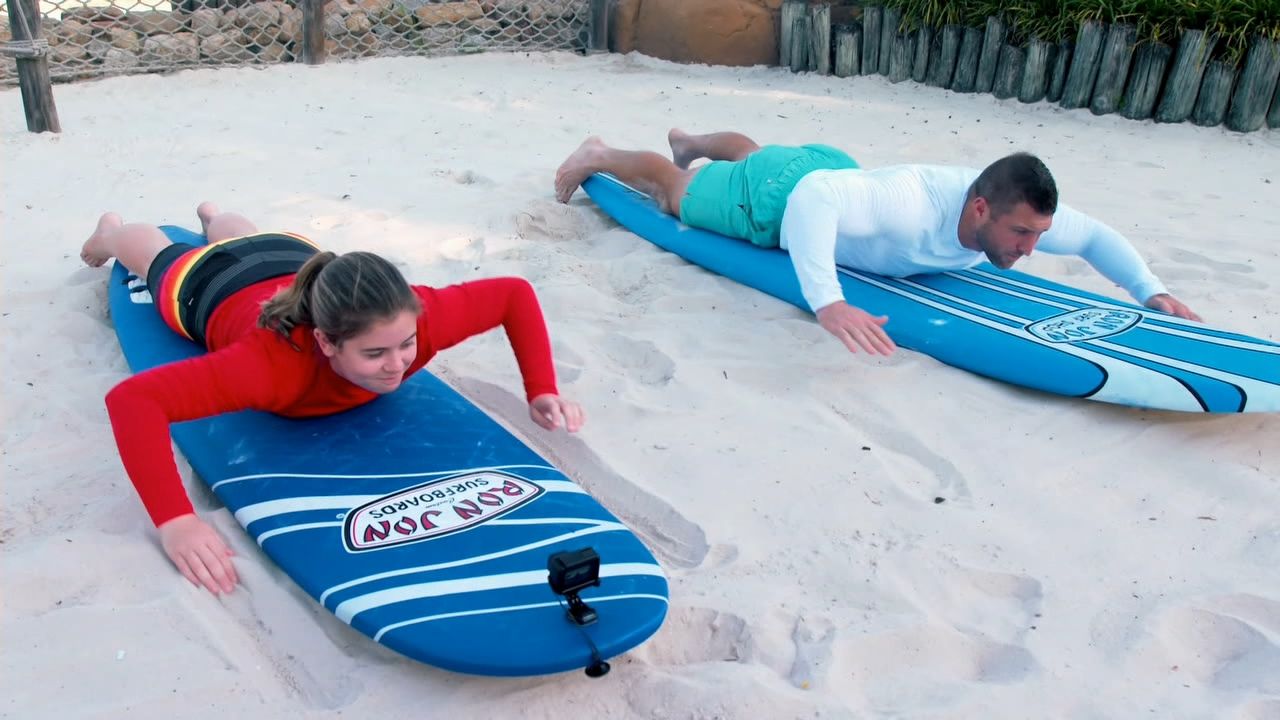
846 536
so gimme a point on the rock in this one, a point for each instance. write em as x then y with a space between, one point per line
357 23
542 10
171 49
717 32
206 22
155 22
376 9
258 15
70 32
274 53
262 37
224 46
124 39
90 14
117 59
291 27
449 13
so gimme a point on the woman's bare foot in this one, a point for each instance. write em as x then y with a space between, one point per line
206 212
682 152
95 252
579 166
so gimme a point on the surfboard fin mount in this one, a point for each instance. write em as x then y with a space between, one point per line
569 572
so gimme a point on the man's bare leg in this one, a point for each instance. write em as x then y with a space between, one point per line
219 226
647 172
135 245
686 148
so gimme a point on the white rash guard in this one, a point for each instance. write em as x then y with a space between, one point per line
903 219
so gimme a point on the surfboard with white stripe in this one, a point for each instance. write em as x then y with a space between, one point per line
1005 325
416 518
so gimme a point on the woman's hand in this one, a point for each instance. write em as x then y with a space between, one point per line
199 552
552 411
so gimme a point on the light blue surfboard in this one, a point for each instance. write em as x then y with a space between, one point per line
1004 324
416 518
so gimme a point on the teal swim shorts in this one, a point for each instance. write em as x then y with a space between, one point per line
745 199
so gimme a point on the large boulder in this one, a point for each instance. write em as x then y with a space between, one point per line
716 32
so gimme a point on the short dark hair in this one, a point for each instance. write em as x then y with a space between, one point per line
1017 178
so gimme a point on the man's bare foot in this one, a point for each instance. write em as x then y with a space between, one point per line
206 211
682 152
95 252
579 166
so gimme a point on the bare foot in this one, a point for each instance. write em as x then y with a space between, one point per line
578 167
205 211
95 253
682 152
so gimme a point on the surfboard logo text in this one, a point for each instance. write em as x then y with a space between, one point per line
1084 324
440 507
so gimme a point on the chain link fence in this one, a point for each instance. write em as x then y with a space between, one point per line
128 36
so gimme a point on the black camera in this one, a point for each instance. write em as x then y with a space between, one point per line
570 572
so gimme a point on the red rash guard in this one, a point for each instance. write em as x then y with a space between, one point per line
249 367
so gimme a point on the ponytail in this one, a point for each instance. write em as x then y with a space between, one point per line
341 295
292 306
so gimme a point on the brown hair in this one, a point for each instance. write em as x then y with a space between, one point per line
341 295
1017 178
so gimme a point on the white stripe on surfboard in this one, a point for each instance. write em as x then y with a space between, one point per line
434 473
344 503
1153 388
1252 388
295 528
348 609
511 608
1089 302
593 529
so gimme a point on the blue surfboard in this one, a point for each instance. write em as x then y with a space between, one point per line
416 518
1003 324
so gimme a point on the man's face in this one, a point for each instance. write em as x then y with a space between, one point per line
1007 238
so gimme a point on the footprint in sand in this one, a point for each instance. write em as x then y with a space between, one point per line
1230 646
640 360
463 177
462 249
676 540
692 635
549 220
909 449
569 363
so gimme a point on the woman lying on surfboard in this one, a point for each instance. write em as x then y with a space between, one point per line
293 331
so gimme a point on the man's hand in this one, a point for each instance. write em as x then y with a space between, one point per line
855 328
1164 302
552 411
199 552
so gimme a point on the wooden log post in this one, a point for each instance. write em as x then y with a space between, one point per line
1256 87
1084 66
1149 64
1273 116
1215 92
32 55
1009 72
942 60
1183 84
820 38
791 9
924 43
871 16
1113 68
1035 73
848 50
313 49
901 56
890 19
800 28
968 57
1058 73
992 41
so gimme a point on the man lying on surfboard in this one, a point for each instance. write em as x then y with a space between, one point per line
816 203
293 331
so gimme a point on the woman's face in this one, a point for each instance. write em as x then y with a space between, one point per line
377 358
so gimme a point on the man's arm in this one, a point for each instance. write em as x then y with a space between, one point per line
1074 233
810 225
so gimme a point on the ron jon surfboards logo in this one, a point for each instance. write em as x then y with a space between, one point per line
440 507
1084 324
